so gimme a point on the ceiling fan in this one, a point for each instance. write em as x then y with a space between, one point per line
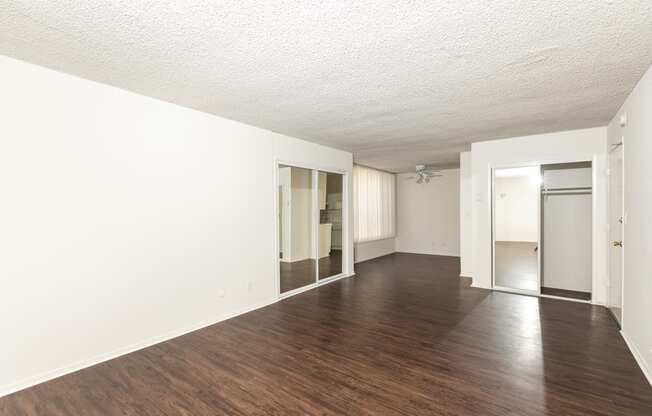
423 174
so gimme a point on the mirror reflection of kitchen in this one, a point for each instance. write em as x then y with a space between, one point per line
330 224
296 219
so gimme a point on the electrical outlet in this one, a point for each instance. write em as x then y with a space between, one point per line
221 293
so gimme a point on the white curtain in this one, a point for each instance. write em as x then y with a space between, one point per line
374 204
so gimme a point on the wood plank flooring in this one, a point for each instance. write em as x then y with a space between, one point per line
297 274
406 336
330 265
302 273
517 265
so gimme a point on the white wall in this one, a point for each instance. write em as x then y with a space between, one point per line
637 294
466 204
516 209
566 146
126 220
372 249
428 214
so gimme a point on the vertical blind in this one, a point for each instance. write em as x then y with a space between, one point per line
374 204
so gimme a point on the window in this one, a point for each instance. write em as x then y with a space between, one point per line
374 200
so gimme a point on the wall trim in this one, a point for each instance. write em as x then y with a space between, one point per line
80 365
638 357
375 258
373 249
429 253
477 286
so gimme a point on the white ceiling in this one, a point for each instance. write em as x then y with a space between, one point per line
399 83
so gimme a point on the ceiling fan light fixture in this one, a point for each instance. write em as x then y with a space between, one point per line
423 174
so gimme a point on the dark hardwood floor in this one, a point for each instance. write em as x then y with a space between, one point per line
330 265
406 336
297 274
302 273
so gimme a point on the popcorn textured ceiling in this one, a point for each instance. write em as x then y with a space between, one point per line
398 83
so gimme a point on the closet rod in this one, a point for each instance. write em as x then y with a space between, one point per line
580 188
571 192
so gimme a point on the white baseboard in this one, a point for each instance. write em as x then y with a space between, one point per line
638 357
480 287
375 256
62 371
429 253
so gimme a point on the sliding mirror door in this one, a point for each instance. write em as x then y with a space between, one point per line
330 224
297 253
516 193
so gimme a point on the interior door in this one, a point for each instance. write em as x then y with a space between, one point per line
616 224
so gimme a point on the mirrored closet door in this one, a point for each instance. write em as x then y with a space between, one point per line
330 224
310 227
296 225
516 228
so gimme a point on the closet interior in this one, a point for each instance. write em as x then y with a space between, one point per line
566 232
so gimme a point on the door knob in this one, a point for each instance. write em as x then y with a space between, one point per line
618 243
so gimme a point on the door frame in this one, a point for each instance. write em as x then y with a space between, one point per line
346 240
